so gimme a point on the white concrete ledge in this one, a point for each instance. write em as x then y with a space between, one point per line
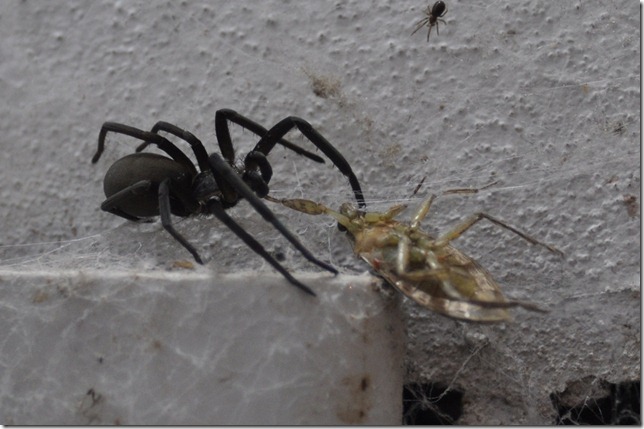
99 347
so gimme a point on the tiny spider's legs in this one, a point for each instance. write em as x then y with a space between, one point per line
420 24
166 220
194 142
432 16
224 174
218 210
112 204
470 221
225 141
272 137
163 144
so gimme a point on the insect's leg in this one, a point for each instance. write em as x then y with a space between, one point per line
422 212
166 220
424 208
217 209
469 222
112 203
301 205
402 255
225 143
435 270
225 174
310 207
468 191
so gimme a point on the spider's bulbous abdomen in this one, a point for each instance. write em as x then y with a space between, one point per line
153 168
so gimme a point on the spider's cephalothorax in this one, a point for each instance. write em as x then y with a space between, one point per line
432 16
142 185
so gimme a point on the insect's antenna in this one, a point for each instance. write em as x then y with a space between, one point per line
417 188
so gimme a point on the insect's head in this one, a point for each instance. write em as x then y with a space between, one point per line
353 220
350 219
349 210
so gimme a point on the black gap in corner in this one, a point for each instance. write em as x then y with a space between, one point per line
612 404
431 404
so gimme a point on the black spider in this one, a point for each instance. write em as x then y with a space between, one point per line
432 16
142 185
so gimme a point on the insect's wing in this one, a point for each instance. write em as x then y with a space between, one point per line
460 289
462 310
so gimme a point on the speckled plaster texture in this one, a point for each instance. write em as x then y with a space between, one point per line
540 96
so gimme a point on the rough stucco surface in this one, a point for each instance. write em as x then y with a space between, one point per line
541 96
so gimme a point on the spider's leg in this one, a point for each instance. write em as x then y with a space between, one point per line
258 181
217 209
163 143
268 141
441 20
112 203
262 162
166 220
194 142
224 174
225 142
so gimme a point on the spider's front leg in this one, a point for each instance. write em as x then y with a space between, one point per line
225 176
166 220
222 117
275 134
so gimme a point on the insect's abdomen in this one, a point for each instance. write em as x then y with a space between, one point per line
441 279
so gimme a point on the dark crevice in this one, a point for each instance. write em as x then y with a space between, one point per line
431 404
593 401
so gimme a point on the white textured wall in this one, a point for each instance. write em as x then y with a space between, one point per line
542 96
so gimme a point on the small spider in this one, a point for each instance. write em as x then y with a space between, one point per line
432 16
143 185
424 268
